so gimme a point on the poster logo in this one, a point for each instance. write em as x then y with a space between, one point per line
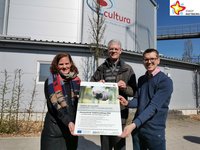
184 8
108 11
104 4
177 8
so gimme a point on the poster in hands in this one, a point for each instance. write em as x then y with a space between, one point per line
98 111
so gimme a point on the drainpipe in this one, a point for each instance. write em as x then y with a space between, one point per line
197 88
6 16
82 20
198 94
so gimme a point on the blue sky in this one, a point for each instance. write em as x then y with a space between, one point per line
174 48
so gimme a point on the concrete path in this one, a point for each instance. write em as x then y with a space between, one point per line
181 134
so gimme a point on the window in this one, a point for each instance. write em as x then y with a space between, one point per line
44 71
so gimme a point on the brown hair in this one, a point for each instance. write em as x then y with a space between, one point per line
54 63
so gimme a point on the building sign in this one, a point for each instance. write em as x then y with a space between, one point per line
119 20
108 10
184 8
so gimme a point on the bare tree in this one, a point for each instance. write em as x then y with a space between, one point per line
30 109
87 68
188 50
33 95
19 91
43 112
3 91
12 106
97 22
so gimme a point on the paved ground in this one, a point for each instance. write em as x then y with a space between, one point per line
182 134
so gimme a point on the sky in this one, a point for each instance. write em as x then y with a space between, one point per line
175 48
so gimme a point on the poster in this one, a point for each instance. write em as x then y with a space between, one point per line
98 111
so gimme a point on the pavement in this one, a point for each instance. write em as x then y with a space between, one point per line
181 134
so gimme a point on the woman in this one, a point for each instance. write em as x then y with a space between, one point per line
61 91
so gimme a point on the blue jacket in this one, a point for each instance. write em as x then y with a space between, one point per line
152 102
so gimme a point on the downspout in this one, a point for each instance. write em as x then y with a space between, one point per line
198 74
198 94
6 16
82 20
155 22
197 88
136 22
155 25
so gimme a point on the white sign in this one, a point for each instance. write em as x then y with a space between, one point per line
98 111
184 8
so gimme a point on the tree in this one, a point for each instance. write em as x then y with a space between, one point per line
188 50
87 68
97 22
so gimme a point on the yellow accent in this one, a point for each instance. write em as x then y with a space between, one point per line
177 8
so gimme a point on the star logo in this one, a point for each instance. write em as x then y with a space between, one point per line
177 7
102 2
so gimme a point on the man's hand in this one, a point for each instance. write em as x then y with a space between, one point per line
122 85
103 81
127 130
122 100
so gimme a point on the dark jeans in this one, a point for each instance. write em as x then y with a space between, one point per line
146 141
135 141
109 142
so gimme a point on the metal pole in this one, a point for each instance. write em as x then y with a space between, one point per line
6 16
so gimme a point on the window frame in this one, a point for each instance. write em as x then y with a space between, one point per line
39 63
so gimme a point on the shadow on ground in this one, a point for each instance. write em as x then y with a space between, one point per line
85 144
193 139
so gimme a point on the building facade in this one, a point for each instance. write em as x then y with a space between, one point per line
33 58
68 21
33 32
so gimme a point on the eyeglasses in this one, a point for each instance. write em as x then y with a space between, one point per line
150 59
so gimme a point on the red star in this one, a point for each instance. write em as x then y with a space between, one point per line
177 8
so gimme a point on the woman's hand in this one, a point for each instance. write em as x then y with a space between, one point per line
71 127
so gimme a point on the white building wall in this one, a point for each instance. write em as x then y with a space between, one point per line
183 95
68 20
28 63
61 20
146 24
57 20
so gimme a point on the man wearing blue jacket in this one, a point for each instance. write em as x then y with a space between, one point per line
153 98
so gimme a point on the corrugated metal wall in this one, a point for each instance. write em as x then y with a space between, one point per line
19 55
